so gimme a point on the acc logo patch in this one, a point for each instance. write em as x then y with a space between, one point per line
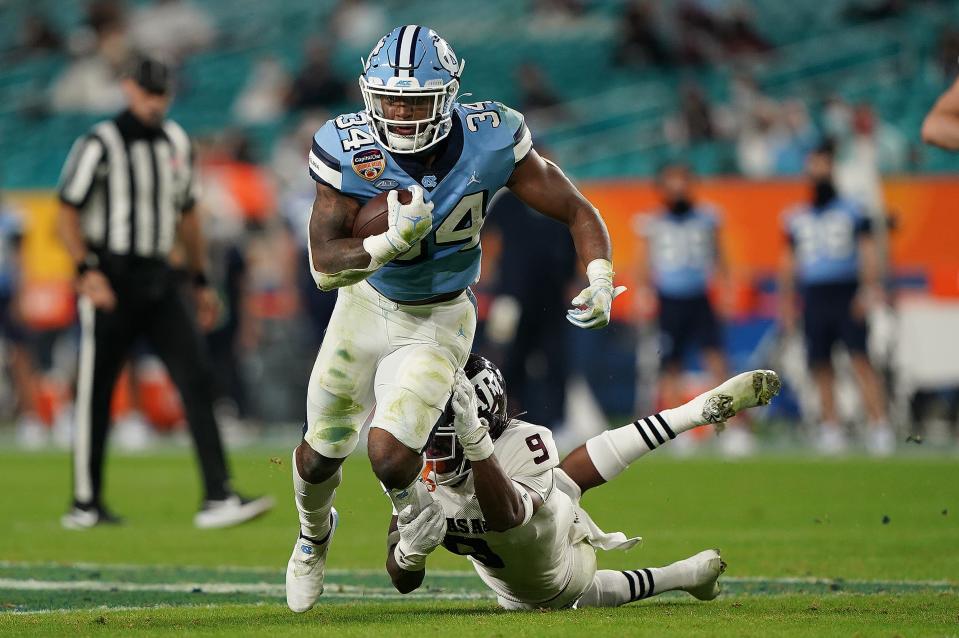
369 164
386 184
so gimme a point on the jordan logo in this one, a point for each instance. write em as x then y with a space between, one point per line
473 179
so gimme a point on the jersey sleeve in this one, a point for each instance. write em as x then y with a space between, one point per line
515 123
80 170
325 166
528 454
188 191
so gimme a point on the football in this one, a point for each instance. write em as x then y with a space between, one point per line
372 218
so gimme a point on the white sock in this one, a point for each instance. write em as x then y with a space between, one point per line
614 588
612 451
414 494
314 502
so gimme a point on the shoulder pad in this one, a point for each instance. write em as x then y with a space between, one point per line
515 133
325 156
525 449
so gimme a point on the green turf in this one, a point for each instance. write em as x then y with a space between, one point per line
838 615
774 519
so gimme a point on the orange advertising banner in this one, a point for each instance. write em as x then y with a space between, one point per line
925 239
926 236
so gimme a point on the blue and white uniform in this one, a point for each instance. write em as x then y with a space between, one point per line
486 141
825 244
387 344
682 251
682 258
11 232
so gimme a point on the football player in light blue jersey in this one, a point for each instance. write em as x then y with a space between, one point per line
683 258
833 259
405 318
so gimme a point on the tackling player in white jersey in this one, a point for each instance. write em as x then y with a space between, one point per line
504 499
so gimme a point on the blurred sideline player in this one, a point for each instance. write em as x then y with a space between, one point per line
834 263
404 319
941 126
31 431
681 247
504 499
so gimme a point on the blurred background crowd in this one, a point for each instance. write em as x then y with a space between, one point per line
738 92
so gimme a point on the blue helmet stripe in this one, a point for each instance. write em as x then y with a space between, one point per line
399 46
412 61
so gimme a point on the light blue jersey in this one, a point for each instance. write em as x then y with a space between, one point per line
826 241
476 159
11 231
682 251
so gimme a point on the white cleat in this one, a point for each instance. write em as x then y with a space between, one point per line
704 570
231 511
881 440
737 442
831 440
744 391
307 569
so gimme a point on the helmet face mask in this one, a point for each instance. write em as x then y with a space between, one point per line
444 454
409 83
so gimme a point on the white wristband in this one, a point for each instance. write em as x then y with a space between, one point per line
381 249
480 450
408 562
600 270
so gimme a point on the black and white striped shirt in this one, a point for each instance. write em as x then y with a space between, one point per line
131 183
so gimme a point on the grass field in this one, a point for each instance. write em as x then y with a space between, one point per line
814 548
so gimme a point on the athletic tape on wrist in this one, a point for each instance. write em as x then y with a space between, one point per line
409 562
480 450
600 270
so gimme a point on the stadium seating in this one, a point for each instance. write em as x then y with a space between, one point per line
616 114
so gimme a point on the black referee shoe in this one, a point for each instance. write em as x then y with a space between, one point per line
84 517
230 511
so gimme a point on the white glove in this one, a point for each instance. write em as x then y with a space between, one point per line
409 223
591 307
419 535
472 431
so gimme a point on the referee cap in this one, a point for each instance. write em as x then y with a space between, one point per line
151 73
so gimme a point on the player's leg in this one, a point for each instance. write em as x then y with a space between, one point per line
339 400
412 387
673 343
606 455
822 315
698 575
880 439
105 339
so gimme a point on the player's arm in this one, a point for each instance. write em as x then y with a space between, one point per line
505 503
941 126
870 291
404 581
337 258
413 536
190 233
787 286
90 282
544 187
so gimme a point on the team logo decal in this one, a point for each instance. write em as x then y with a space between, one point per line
429 181
369 164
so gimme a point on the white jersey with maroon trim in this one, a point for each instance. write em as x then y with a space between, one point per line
530 563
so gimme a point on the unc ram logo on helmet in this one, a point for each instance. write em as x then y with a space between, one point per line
475 147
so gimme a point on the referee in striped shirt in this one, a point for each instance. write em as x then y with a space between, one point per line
128 190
